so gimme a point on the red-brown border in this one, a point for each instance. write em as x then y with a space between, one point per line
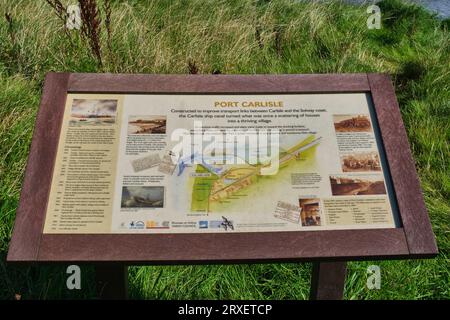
28 244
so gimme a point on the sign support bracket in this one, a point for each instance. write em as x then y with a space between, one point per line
328 280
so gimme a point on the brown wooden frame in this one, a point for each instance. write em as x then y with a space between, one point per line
413 239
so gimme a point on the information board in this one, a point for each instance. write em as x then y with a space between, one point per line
157 169
218 163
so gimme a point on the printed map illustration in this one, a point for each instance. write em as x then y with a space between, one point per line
215 186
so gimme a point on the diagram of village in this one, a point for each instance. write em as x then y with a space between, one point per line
214 192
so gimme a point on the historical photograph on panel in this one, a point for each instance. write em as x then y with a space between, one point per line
93 112
310 212
360 162
147 125
355 185
352 123
142 197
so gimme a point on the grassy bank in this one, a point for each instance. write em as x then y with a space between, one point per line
232 37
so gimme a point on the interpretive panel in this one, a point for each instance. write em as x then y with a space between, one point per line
174 163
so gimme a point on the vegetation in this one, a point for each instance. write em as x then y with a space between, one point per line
230 37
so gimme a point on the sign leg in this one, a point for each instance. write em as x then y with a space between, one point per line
112 282
327 280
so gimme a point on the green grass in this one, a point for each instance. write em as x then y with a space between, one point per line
220 36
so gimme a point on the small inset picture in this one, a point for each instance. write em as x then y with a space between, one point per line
310 212
142 197
93 112
352 123
347 185
287 211
168 163
146 162
147 125
360 162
